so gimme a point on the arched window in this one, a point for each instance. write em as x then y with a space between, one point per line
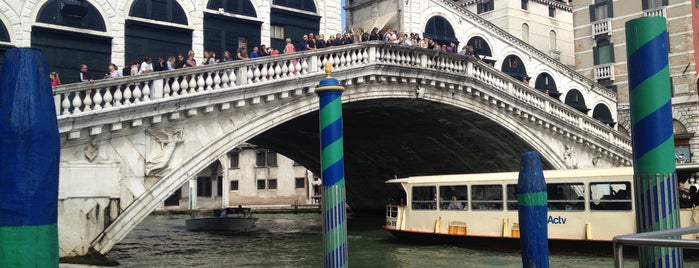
602 113
4 37
307 5
226 33
553 44
480 47
439 29
525 33
576 100
243 7
4 34
76 14
146 38
545 83
513 66
66 50
160 10
683 152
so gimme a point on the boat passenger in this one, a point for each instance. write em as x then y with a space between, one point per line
455 204
223 213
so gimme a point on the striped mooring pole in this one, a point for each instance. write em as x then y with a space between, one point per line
29 158
653 143
533 212
333 167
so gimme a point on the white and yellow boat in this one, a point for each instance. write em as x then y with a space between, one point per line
586 209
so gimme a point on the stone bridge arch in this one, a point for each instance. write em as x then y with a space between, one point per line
202 123
256 121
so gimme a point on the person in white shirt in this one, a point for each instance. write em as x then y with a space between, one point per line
113 72
146 66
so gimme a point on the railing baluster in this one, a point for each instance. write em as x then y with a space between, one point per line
200 83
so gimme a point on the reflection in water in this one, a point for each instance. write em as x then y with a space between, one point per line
294 240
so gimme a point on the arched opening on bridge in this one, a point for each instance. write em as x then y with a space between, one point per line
513 66
466 142
683 152
545 83
291 18
601 112
4 42
224 31
480 46
576 100
65 50
439 29
158 37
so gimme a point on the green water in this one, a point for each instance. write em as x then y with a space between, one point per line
294 240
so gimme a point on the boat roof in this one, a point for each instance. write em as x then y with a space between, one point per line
499 176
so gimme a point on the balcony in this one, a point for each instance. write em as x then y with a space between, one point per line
658 11
605 71
602 27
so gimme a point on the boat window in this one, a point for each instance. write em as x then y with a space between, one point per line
453 197
486 197
512 197
610 196
424 197
566 196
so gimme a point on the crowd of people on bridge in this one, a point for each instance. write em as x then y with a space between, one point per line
308 41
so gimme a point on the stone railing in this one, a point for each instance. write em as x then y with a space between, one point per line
604 71
112 94
659 11
602 27
263 73
531 50
507 87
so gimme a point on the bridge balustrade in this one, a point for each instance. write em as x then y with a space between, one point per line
85 98
528 49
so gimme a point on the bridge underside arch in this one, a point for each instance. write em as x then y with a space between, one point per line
402 137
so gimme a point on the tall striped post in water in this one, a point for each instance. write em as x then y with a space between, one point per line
653 143
29 156
333 167
533 211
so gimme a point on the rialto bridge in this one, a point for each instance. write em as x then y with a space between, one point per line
127 144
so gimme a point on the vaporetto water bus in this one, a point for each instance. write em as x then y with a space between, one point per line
586 209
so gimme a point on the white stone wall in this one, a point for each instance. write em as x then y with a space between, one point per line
248 173
509 15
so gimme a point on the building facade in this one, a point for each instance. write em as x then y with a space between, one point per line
248 176
100 32
600 54
545 24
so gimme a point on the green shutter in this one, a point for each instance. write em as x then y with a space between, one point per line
592 13
644 4
595 55
665 3
611 52
610 9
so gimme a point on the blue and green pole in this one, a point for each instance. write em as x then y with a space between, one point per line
653 143
532 208
29 158
333 168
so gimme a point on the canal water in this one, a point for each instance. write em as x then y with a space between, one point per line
294 240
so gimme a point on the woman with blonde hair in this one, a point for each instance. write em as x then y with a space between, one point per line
55 79
289 48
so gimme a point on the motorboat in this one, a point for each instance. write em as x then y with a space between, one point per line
226 219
